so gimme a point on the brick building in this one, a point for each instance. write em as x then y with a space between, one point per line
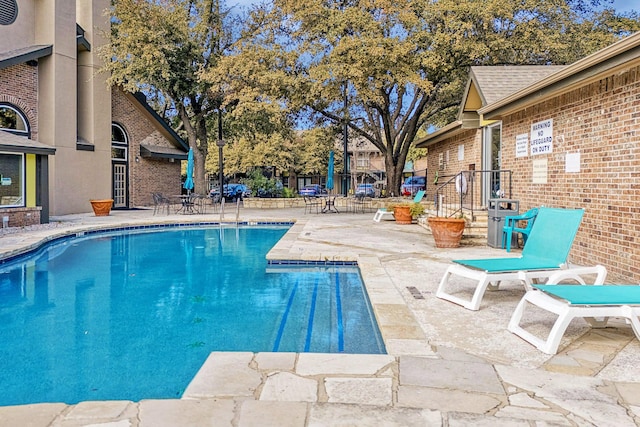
65 136
569 139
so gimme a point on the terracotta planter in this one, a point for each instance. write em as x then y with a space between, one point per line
447 232
101 207
402 214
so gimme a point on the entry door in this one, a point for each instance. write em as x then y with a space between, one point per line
492 161
119 185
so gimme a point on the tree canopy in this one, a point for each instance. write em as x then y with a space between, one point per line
401 65
163 46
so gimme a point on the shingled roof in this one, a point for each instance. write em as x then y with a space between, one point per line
486 85
496 82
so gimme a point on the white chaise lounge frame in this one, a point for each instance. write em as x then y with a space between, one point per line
546 252
596 315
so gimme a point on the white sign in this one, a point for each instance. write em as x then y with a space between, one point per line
461 152
539 173
572 163
522 145
542 137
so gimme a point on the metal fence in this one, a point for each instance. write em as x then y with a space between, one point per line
468 192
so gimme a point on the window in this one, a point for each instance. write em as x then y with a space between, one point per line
362 161
12 164
11 179
118 143
12 120
117 134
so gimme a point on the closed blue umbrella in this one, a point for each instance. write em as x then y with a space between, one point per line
330 172
188 183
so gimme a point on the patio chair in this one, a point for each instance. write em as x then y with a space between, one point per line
361 203
511 226
383 212
311 203
595 304
199 203
160 203
546 251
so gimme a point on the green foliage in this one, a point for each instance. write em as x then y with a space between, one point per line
403 63
162 47
417 153
312 147
416 209
402 66
261 186
288 193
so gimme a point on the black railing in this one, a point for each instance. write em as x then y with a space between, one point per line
467 192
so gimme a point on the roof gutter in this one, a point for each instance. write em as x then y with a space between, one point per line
449 130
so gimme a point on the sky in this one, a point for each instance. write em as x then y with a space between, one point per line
622 5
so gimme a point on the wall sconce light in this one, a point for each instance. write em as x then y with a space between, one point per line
137 159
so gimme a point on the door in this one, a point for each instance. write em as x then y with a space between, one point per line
119 173
491 161
119 166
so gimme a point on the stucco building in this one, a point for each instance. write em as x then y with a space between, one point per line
65 136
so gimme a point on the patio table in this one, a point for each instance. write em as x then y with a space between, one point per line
187 205
329 204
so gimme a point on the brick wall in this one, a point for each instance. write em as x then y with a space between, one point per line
19 85
601 121
472 141
148 175
21 217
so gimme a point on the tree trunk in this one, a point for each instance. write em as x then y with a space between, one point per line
199 180
394 176
193 128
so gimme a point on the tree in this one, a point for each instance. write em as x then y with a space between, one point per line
401 65
258 134
162 47
312 149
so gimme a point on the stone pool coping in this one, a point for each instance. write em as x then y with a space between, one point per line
436 372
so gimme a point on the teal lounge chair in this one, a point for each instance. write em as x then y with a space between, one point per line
546 251
511 226
596 304
383 212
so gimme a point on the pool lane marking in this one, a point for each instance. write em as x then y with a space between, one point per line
312 311
283 322
339 314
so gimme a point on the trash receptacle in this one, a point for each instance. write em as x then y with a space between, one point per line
498 210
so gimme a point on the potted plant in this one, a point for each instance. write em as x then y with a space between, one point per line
101 207
447 231
404 212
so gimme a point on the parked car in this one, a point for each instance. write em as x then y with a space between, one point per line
231 192
365 190
313 190
413 184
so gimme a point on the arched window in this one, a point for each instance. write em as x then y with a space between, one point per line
12 120
119 143
12 164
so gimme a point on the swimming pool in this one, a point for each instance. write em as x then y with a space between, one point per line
133 315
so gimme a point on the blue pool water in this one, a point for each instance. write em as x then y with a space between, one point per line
134 315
